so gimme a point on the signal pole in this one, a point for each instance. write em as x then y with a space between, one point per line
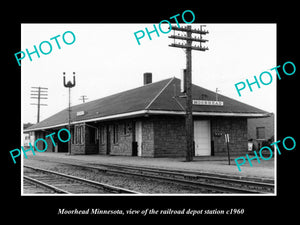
69 85
39 93
188 38
83 98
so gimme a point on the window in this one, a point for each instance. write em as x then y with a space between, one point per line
126 128
101 131
116 134
260 133
79 135
82 134
92 135
72 135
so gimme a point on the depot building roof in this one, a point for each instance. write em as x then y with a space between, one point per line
159 98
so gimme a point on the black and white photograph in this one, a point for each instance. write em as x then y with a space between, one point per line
123 118
120 120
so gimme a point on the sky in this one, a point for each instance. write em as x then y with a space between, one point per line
107 60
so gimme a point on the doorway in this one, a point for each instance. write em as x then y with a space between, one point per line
108 144
202 138
138 137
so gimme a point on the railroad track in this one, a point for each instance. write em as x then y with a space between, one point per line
30 187
67 184
213 182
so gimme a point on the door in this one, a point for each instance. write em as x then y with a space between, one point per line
202 137
107 140
138 137
62 146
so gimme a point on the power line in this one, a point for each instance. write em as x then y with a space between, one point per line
83 98
39 93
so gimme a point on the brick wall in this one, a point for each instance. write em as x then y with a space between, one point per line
39 144
237 129
148 138
169 136
162 136
78 149
50 145
124 144
267 123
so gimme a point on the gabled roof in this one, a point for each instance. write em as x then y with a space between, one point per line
154 98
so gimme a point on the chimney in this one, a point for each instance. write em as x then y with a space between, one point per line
183 81
147 78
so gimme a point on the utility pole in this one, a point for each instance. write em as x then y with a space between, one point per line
39 93
188 38
83 98
69 85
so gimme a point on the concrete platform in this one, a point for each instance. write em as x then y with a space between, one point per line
211 164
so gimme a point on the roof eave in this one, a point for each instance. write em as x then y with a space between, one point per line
233 114
153 112
117 116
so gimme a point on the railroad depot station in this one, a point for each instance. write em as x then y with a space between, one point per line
149 121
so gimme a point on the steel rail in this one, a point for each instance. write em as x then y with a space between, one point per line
45 185
103 186
197 175
209 181
161 175
209 186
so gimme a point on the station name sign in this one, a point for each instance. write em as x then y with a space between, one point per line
80 113
206 102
